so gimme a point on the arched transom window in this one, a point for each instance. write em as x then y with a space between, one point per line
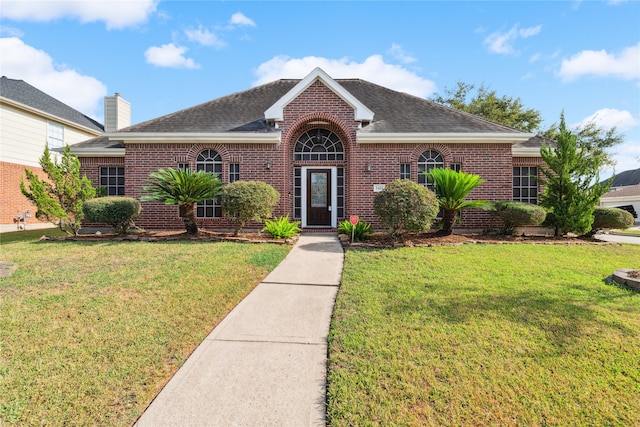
209 161
428 160
319 144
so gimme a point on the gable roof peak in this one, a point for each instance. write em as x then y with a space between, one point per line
276 111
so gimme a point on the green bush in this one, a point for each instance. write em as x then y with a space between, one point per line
604 218
515 214
119 212
404 206
361 232
282 227
245 201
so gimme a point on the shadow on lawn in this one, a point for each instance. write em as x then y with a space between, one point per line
560 317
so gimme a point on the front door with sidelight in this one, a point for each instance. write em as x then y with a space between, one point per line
319 197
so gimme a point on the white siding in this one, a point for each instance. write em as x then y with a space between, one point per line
23 135
117 113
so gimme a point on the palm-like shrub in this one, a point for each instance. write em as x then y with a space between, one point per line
452 189
184 188
245 201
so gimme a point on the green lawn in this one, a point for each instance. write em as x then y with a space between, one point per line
486 335
623 232
90 332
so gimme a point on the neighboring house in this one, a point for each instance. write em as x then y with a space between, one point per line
624 193
30 119
326 145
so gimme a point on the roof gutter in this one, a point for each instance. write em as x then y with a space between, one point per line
97 152
419 137
222 137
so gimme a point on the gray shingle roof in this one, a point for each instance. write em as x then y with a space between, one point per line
393 112
22 92
623 179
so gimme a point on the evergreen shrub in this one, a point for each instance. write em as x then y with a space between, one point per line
119 212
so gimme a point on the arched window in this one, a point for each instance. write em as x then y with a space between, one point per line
209 161
318 144
428 160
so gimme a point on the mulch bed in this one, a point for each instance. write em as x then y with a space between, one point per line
383 240
177 235
376 240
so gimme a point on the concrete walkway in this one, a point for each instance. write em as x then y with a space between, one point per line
265 363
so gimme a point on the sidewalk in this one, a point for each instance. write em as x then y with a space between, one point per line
265 363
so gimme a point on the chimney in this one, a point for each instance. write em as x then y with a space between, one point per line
117 113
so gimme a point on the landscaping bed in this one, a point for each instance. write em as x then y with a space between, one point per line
172 235
384 240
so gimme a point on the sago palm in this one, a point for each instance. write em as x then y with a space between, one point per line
452 189
184 188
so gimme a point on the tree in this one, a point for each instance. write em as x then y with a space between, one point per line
184 188
245 201
452 189
572 186
486 103
594 140
59 200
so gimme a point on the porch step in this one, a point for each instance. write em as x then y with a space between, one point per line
307 230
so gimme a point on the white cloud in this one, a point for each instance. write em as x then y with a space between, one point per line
398 53
169 56
608 118
23 62
373 69
240 19
626 157
115 14
10 32
625 65
205 38
498 42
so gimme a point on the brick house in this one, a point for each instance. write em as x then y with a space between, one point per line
326 145
30 119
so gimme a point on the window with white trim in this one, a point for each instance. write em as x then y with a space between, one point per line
405 170
525 184
456 167
209 161
234 172
112 180
56 135
428 160
319 145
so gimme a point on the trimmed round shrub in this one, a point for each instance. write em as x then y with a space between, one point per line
405 206
516 214
610 218
119 212
245 201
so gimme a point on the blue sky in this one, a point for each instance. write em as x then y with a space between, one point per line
582 57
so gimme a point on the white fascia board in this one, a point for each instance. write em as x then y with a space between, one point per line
276 111
525 152
48 116
222 137
97 152
417 138
618 200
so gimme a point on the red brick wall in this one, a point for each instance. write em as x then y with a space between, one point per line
12 201
493 162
